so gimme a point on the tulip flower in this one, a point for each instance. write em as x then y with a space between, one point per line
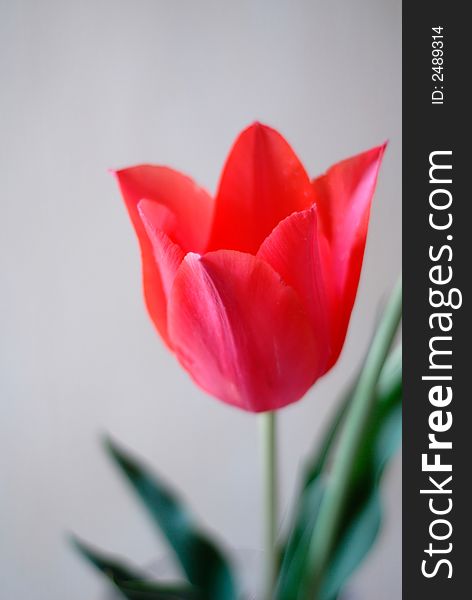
253 290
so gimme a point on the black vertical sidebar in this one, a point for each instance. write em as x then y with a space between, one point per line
437 232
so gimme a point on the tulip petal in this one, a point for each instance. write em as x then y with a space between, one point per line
241 332
185 217
262 183
292 250
167 254
343 197
191 205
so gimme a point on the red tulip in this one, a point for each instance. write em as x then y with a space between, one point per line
253 291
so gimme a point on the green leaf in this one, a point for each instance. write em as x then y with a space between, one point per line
131 582
361 519
149 590
337 498
295 551
202 562
357 539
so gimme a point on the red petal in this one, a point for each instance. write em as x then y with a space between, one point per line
292 250
241 332
262 182
343 197
185 218
167 254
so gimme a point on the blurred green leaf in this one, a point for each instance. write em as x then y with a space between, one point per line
202 562
131 582
351 446
295 551
362 518
148 590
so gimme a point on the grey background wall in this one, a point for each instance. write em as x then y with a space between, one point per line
107 83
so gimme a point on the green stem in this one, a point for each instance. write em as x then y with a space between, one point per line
269 466
356 422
